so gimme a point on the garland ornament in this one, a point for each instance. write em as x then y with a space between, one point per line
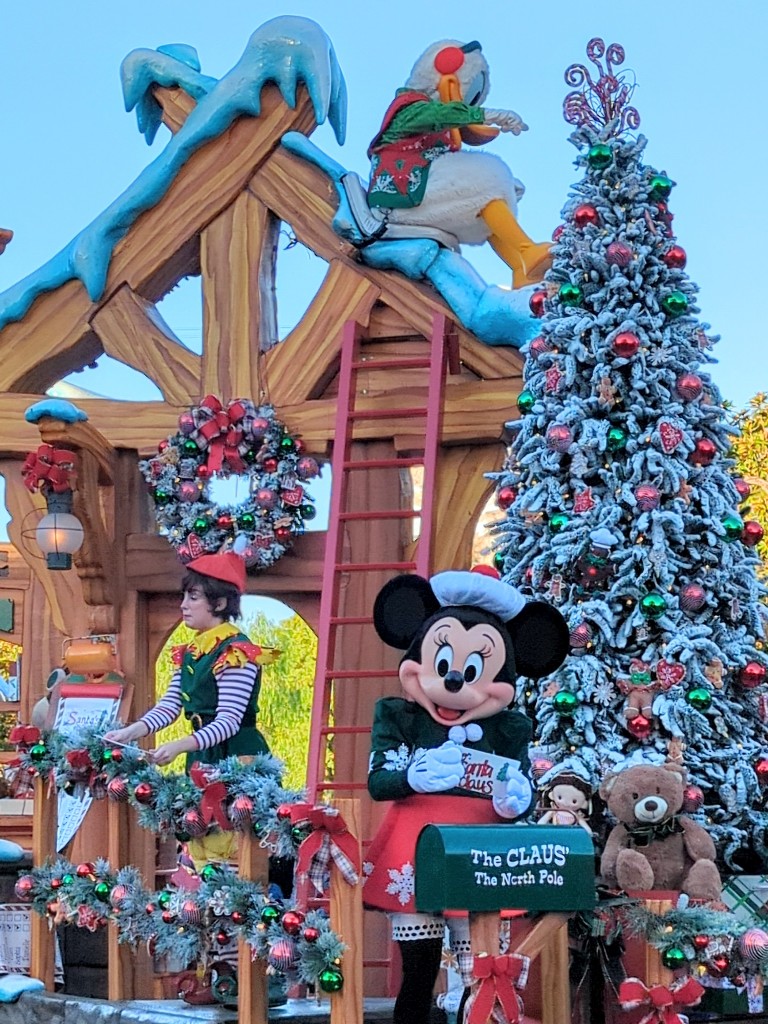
217 442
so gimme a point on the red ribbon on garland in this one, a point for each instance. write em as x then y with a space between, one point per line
49 467
218 428
213 800
497 976
24 735
664 1002
330 839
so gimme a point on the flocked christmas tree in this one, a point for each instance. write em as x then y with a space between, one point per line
622 504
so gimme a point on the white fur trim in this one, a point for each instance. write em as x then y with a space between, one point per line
459 587
459 186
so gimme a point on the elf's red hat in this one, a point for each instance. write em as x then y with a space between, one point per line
227 567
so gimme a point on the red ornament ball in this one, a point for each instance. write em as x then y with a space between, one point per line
224 522
222 937
237 917
284 811
299 446
119 895
761 770
647 497
117 790
85 870
270 465
190 913
194 823
266 498
640 727
307 467
557 233
700 942
753 944
204 472
143 793
537 302
675 257
259 426
692 597
241 811
742 488
163 446
625 344
585 215
168 916
752 675
752 533
292 920
186 423
506 497
540 766
117 755
24 886
703 453
311 934
693 798
689 386
580 635
619 254
283 534
718 966
559 437
188 491
539 346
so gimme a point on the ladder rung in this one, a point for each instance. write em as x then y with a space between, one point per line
362 673
351 620
344 730
405 363
376 963
383 463
395 513
387 414
342 785
373 566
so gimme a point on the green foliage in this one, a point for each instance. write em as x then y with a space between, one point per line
751 453
285 702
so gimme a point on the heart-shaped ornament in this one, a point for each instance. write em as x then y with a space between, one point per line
668 674
670 435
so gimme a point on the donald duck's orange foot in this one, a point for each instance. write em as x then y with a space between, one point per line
533 262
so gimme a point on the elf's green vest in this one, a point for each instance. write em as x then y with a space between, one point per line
200 698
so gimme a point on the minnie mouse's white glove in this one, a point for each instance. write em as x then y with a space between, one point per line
512 797
436 770
506 120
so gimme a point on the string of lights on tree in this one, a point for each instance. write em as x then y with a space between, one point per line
195 925
622 504
237 440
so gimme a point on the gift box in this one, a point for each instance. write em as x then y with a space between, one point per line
746 896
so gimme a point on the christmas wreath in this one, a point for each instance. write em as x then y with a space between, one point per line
236 440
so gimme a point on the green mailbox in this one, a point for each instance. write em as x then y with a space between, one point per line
484 868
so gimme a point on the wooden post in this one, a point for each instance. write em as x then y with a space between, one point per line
555 978
252 998
655 971
346 910
129 971
43 937
484 933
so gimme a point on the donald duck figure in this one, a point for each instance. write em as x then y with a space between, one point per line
421 175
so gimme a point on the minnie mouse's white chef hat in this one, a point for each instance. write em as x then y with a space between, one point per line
480 587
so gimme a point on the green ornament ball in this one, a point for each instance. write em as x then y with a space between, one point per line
67 879
558 522
287 444
101 891
653 606
38 752
526 400
565 703
599 156
162 497
201 525
676 303
661 186
209 872
247 520
249 456
570 294
674 958
308 511
699 698
331 980
734 528
616 439
106 756
164 899
270 914
498 562
190 447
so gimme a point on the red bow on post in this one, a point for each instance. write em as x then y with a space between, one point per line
218 431
49 468
498 976
664 1002
330 839
24 735
214 796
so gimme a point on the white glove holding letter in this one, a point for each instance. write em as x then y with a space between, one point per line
512 796
436 770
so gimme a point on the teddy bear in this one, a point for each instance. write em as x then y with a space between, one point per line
652 846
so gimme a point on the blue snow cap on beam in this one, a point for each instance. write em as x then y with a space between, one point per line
56 409
287 51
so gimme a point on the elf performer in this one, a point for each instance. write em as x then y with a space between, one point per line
467 636
421 175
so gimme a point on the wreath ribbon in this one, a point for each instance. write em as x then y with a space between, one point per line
664 1002
213 800
330 839
497 976
51 467
220 432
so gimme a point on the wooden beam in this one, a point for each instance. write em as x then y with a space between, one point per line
131 330
460 494
346 913
176 105
238 253
42 936
302 365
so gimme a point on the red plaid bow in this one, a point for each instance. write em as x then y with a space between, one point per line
24 735
664 1002
498 976
219 430
49 468
213 800
329 840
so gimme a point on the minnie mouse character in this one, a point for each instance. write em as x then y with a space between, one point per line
467 637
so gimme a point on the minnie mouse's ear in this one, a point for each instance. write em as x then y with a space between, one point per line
401 608
540 638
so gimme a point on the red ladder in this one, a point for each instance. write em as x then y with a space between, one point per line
330 679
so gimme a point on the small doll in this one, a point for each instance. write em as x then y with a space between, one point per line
568 799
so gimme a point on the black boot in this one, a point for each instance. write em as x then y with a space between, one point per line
421 963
